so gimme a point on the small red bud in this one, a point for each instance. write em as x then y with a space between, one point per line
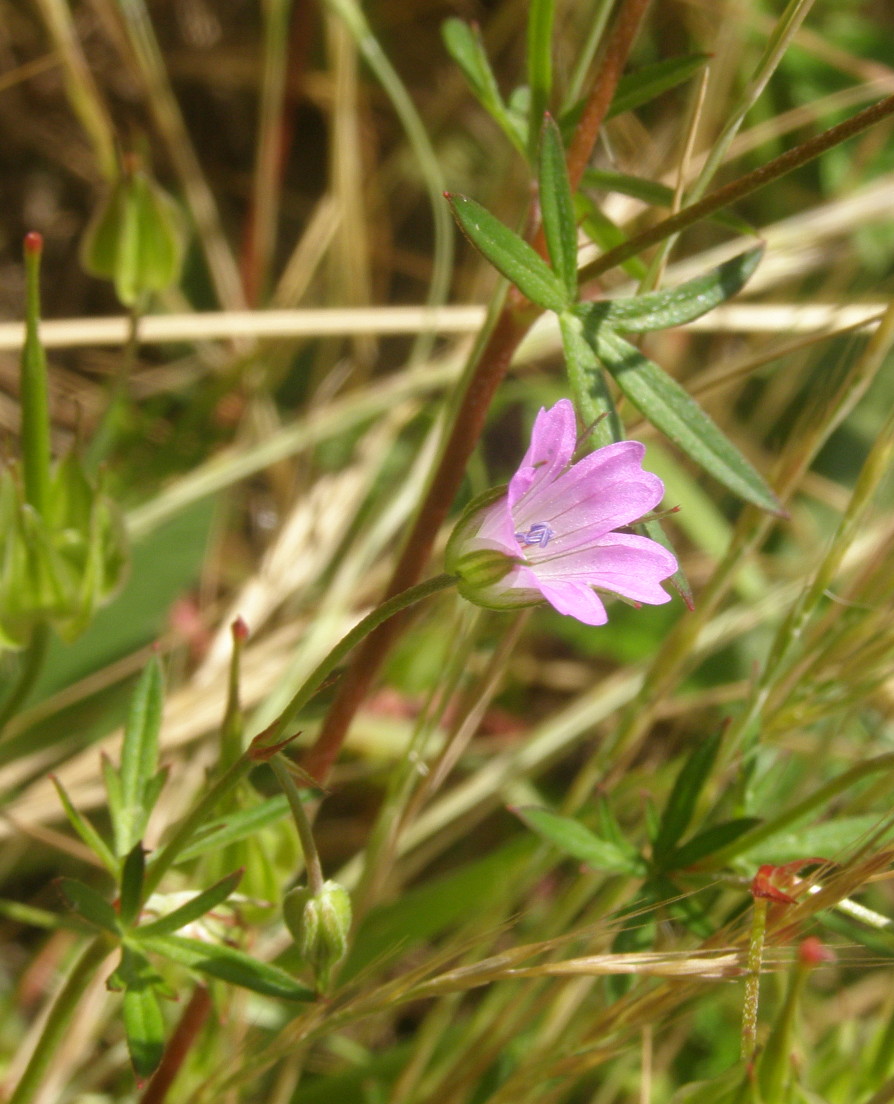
33 242
239 629
813 952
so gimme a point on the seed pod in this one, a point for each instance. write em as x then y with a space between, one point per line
319 925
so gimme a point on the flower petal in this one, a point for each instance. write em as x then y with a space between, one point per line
623 563
610 480
553 441
574 599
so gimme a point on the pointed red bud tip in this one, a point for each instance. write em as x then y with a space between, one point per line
239 629
34 243
813 952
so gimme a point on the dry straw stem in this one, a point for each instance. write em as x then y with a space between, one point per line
161 329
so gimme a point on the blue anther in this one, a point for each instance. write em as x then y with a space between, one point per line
539 534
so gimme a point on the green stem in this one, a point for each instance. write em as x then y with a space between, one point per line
35 404
362 629
753 982
191 823
308 845
231 778
30 668
738 189
64 1008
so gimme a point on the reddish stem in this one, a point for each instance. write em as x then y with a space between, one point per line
181 1042
511 326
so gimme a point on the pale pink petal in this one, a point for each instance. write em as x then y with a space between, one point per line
553 441
575 600
613 464
586 511
623 563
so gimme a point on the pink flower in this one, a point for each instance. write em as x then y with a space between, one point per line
552 533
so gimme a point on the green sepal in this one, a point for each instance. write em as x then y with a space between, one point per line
136 238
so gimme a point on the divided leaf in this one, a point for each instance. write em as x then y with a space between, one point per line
635 89
689 783
580 843
143 1022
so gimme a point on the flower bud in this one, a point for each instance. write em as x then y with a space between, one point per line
136 236
319 925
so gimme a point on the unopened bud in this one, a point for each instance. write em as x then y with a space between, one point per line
319 924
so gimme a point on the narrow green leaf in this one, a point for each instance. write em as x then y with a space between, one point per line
660 309
130 896
144 1029
704 844
592 397
670 409
465 46
85 830
228 964
237 826
89 904
143 1022
194 909
511 256
579 842
115 801
684 796
139 755
656 194
605 233
540 64
635 89
557 208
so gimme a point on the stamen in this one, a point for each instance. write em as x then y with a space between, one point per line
539 534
